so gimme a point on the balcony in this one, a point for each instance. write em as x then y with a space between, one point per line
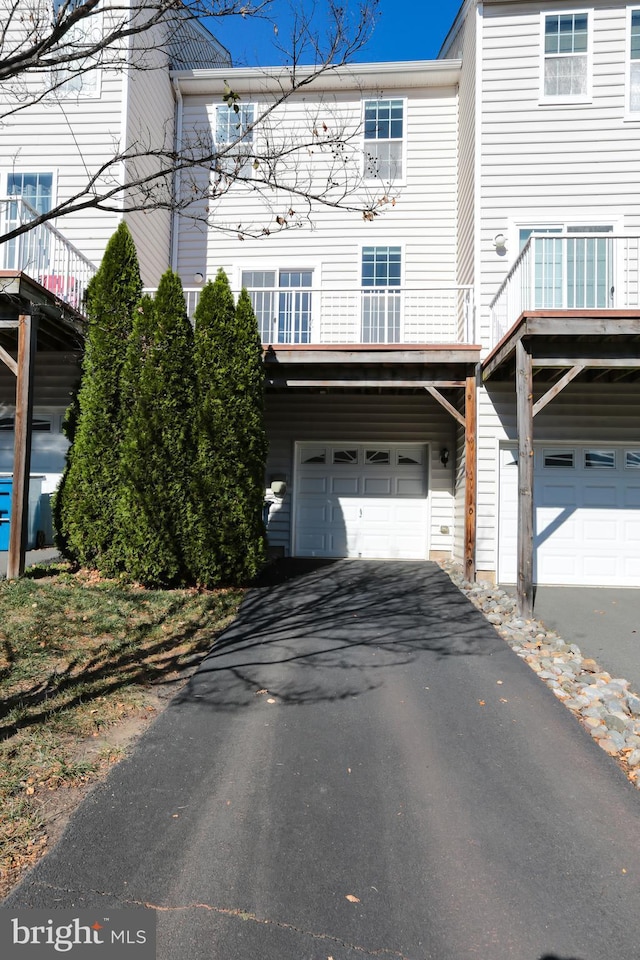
374 315
43 254
572 271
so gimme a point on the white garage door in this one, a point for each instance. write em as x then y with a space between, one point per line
361 500
587 515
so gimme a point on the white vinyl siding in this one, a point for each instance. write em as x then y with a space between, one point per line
422 220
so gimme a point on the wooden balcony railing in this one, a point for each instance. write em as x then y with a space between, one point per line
43 254
569 271
394 315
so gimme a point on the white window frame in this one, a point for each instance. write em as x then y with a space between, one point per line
288 266
553 99
398 180
630 112
87 85
377 243
7 250
243 146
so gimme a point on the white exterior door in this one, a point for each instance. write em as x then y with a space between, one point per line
586 515
361 500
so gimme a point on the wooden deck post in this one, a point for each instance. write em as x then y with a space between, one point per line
27 335
524 409
470 478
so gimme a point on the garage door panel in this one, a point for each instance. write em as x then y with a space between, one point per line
587 524
631 497
556 494
600 495
311 484
405 487
362 508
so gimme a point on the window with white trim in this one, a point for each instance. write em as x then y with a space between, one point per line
36 189
381 297
566 49
234 138
81 76
634 61
383 139
282 302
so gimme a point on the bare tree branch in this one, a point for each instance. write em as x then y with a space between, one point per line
194 177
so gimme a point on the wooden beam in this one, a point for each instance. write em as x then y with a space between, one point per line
524 410
630 362
9 361
27 336
449 407
575 326
413 384
470 473
557 388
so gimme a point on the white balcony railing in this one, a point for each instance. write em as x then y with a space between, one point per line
43 254
395 315
572 271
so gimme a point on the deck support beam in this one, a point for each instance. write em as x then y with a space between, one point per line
524 413
470 484
27 337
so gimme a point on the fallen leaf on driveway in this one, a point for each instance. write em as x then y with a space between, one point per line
481 702
350 897
271 700
261 691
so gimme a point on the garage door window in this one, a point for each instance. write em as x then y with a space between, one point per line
345 456
632 459
559 458
378 456
599 460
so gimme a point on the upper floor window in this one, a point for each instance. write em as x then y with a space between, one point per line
566 40
383 136
234 136
36 188
80 76
381 295
634 62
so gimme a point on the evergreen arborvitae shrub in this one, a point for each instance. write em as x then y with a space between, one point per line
86 498
152 540
232 445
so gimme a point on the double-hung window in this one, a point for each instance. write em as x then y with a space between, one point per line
282 302
383 140
566 52
79 77
381 295
234 138
634 61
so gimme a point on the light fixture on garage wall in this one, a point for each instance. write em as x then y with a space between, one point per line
444 456
198 277
278 486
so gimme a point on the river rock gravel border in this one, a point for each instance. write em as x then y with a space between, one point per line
604 705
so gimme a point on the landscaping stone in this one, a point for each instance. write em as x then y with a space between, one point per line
605 705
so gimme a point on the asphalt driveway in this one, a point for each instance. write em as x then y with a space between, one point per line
604 622
361 768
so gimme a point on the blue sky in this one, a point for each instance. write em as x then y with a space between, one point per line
409 30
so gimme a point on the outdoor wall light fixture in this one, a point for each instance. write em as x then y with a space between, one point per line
444 456
198 277
500 243
278 487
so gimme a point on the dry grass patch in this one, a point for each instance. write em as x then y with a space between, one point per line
82 662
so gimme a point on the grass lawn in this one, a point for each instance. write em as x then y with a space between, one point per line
82 664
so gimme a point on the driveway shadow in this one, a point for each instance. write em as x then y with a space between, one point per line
313 631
